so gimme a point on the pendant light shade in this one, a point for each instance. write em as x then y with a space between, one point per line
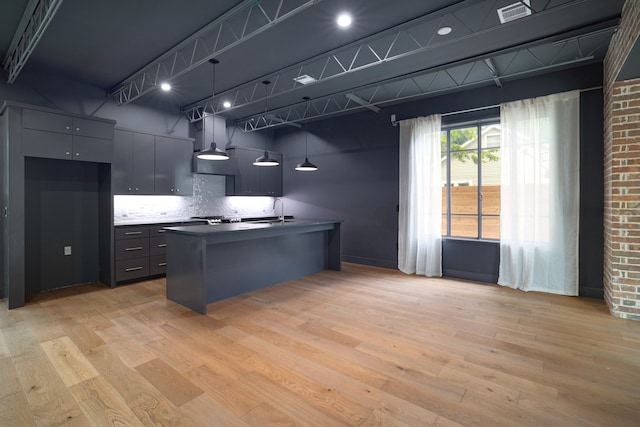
213 152
265 160
306 166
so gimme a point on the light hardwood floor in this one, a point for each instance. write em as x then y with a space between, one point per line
359 347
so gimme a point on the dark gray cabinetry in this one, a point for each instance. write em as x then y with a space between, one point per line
152 164
140 251
271 178
157 250
247 179
132 252
51 203
57 136
173 166
253 180
3 290
133 162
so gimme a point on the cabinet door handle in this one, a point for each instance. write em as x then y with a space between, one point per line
137 248
162 264
132 269
77 154
131 233
67 127
162 231
77 129
163 245
67 153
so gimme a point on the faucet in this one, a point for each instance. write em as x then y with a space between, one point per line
281 217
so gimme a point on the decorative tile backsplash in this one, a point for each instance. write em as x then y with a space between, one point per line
208 199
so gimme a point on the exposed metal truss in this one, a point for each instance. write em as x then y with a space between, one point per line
511 63
34 22
414 37
246 20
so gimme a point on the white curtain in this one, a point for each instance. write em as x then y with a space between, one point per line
540 194
420 217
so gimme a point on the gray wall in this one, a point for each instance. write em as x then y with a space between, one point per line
357 182
358 178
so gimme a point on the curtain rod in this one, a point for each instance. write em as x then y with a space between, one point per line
487 107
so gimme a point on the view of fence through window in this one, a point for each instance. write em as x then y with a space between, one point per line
471 181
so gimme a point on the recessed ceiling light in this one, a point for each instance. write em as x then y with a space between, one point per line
226 104
165 87
304 79
443 31
344 20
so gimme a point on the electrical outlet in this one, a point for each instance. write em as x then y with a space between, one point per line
67 250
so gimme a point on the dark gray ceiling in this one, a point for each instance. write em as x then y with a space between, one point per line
390 53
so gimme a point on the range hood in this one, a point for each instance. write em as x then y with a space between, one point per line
203 140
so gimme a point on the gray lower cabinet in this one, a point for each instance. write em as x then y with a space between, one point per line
57 136
147 164
140 251
131 252
253 180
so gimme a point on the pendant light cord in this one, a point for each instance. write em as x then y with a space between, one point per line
306 131
213 62
265 83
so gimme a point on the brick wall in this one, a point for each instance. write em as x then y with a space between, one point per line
622 173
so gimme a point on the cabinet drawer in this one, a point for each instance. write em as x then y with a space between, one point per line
157 265
157 245
157 230
132 248
40 120
132 269
37 143
131 232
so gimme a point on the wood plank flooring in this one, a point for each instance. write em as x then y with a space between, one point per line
361 347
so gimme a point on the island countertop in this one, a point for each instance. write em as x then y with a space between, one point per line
292 225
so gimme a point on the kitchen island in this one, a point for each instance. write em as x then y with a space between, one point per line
209 263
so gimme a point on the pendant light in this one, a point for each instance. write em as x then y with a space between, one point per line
213 152
306 166
264 160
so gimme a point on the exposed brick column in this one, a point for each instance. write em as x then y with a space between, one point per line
622 173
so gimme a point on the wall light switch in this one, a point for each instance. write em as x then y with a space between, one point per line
67 250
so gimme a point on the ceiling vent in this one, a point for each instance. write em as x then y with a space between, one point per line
514 11
304 79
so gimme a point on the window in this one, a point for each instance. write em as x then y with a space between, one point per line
471 181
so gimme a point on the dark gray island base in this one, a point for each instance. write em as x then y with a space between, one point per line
208 263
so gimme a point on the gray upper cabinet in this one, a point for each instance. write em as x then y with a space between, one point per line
271 178
133 163
253 180
151 164
58 136
173 166
247 180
